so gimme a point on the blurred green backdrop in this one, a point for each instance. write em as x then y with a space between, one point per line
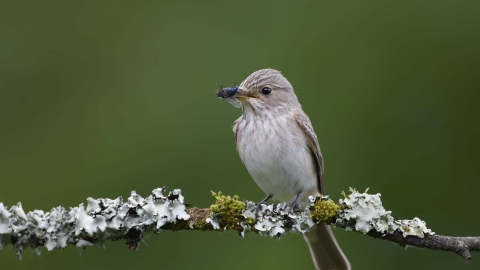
100 98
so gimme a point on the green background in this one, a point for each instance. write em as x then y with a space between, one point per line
100 98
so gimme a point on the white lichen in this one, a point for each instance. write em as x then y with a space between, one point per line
215 220
277 220
107 219
416 227
364 212
102 219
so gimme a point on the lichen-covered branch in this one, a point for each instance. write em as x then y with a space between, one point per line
106 219
364 213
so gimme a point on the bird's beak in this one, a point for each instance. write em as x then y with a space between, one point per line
234 92
242 94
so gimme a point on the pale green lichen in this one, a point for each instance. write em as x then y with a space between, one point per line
276 220
102 219
107 219
415 227
364 212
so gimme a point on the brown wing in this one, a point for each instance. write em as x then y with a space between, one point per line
235 132
304 124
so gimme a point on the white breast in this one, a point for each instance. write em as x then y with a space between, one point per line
275 152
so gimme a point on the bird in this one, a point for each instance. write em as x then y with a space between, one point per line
277 144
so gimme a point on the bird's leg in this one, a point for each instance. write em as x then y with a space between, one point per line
295 205
259 205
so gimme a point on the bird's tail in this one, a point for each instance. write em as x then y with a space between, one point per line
326 253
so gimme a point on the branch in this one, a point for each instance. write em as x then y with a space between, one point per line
460 245
106 219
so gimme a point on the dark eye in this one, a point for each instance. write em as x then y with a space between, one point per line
266 91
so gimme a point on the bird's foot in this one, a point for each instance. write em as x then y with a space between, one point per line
259 205
295 206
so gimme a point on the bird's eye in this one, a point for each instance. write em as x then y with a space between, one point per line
266 91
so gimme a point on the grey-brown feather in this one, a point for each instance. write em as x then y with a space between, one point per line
304 123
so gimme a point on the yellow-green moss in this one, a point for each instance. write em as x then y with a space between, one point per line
230 210
324 212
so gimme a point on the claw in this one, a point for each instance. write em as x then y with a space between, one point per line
259 205
295 206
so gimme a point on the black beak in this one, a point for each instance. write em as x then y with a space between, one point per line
227 92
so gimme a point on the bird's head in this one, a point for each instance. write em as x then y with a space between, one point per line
265 88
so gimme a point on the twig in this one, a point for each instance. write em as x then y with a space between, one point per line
105 219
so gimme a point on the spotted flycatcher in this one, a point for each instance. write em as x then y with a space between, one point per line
277 144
